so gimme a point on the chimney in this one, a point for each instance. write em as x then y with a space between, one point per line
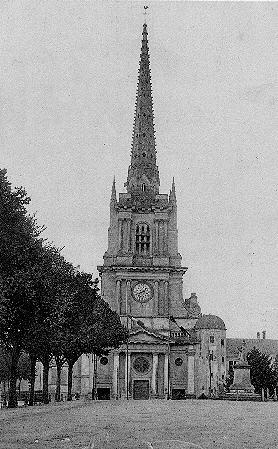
263 332
258 335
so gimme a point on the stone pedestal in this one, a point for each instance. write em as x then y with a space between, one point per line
241 389
242 382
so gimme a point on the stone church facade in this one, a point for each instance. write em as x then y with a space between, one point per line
173 351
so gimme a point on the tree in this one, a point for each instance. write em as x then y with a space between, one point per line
262 373
20 246
23 367
84 324
51 286
47 309
4 369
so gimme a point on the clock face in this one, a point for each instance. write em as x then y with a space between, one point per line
142 292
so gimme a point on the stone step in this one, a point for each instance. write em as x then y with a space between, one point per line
241 397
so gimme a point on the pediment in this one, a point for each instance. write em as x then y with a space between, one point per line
146 336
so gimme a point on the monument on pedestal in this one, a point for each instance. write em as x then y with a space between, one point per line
242 389
242 382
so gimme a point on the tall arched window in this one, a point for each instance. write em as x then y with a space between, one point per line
142 239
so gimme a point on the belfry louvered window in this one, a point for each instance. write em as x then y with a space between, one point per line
142 239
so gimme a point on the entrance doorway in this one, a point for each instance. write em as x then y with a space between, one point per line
178 393
103 393
141 389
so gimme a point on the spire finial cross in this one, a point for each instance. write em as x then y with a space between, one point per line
145 12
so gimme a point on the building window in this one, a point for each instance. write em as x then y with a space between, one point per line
211 374
211 339
223 376
178 361
222 341
143 187
223 360
104 360
141 365
142 238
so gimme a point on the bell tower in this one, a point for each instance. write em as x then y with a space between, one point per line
142 274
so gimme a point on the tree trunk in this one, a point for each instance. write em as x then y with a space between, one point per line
33 360
19 389
58 382
70 369
5 397
12 401
45 397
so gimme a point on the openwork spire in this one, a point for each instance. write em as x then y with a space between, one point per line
143 174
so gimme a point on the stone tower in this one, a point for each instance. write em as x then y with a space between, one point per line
172 351
142 273
142 276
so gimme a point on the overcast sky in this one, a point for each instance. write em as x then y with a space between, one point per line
68 85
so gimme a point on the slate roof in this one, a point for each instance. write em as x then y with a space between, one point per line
210 322
266 346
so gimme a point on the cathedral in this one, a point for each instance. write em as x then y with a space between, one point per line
173 350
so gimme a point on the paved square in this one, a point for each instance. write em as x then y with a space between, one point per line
209 424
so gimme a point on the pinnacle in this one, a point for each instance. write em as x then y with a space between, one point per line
173 192
113 192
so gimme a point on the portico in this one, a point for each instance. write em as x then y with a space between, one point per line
143 369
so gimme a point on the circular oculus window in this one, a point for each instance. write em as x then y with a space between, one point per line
178 361
104 360
141 365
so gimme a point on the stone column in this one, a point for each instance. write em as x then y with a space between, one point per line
156 303
128 235
166 375
156 246
165 237
160 237
154 374
127 297
166 299
118 296
157 237
120 234
116 374
127 373
190 364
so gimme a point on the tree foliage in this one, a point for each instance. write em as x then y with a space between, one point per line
20 246
47 308
263 372
84 323
23 367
